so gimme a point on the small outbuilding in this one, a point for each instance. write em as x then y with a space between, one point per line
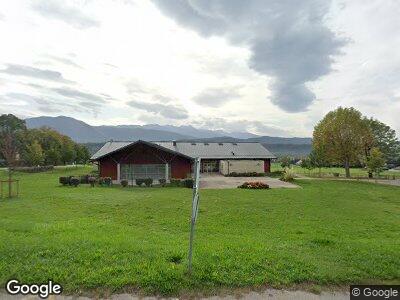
172 159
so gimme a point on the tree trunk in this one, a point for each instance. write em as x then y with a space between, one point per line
347 168
9 183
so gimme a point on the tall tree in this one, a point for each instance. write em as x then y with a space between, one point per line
343 135
376 161
10 137
34 155
384 138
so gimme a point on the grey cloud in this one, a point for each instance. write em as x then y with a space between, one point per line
216 97
64 60
73 93
289 40
27 71
61 10
162 107
241 125
49 104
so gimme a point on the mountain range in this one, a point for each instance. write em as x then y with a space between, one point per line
82 132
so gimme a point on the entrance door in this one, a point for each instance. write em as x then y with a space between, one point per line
209 166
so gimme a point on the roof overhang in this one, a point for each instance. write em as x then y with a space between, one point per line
150 144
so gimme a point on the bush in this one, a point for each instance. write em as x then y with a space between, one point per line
36 169
139 182
148 181
107 181
288 175
84 179
162 181
245 174
257 185
336 174
188 182
75 181
64 180
175 182
92 181
124 183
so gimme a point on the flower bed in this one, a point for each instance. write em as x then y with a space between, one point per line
256 185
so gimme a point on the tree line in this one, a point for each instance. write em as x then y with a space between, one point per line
345 137
34 147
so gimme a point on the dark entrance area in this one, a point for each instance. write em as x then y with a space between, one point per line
209 166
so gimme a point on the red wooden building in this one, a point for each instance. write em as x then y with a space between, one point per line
141 159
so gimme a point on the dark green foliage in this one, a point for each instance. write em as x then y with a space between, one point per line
285 161
175 182
336 174
107 181
148 181
139 182
247 174
74 181
124 183
162 181
64 180
188 183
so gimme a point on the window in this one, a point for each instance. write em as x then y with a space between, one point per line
137 171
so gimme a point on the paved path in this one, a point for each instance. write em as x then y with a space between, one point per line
267 294
218 181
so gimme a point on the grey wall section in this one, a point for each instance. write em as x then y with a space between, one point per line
241 166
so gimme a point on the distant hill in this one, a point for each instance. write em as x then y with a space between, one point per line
95 136
82 132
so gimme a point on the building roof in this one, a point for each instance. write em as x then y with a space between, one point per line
203 150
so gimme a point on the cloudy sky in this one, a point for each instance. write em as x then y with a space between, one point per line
268 67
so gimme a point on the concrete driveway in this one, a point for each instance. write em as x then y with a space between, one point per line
218 181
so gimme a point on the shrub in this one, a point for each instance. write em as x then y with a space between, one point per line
75 181
36 169
101 181
84 179
124 183
288 175
175 182
148 181
188 182
107 181
92 181
257 185
64 180
162 181
336 174
139 182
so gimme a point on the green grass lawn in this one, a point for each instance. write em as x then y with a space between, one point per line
112 239
328 172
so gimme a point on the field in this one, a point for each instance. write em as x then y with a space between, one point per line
107 240
328 172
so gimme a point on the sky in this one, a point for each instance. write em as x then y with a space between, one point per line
271 67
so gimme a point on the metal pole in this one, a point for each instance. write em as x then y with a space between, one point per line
195 209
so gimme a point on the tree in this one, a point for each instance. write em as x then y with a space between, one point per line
82 154
285 161
10 135
34 155
68 153
384 138
318 159
343 135
376 161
